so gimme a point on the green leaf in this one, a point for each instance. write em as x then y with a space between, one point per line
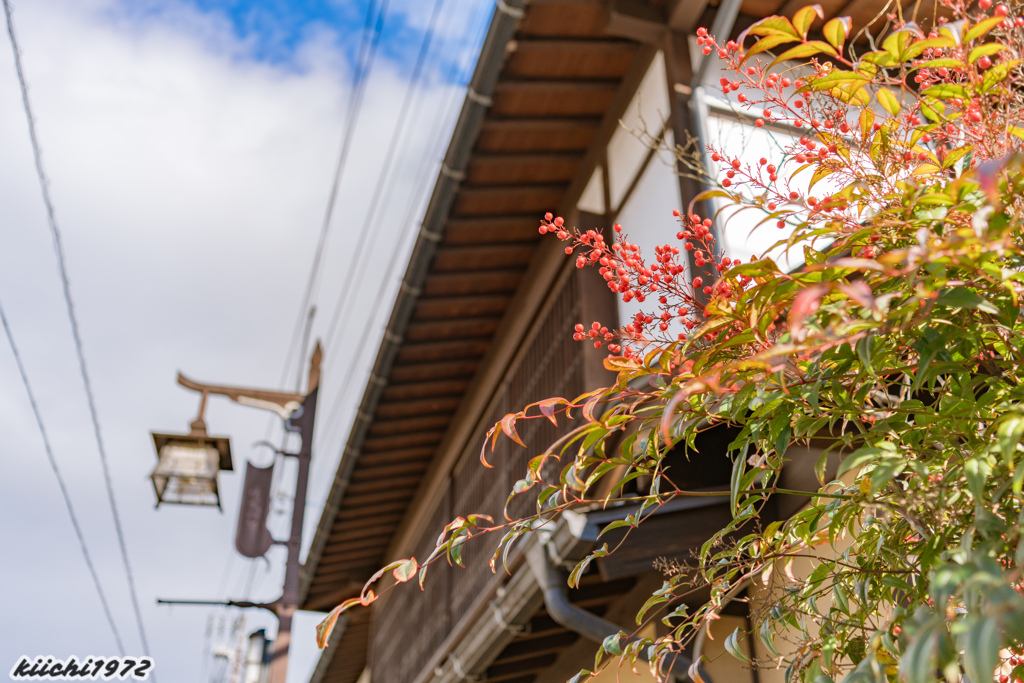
836 30
732 646
804 17
962 297
977 470
981 647
888 101
611 644
988 49
1010 432
979 29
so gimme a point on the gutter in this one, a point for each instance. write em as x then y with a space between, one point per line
478 99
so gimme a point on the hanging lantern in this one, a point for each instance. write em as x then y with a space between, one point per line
187 466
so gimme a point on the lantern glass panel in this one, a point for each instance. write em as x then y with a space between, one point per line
187 473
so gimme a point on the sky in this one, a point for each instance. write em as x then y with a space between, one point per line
189 147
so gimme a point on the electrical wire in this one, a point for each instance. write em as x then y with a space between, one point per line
413 206
60 481
59 250
368 52
385 171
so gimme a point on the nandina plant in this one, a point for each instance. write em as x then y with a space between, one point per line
897 344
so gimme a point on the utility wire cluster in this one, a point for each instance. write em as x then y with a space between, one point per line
77 338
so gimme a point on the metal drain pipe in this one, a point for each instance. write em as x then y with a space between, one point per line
577 619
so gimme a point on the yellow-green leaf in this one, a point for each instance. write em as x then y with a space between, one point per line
947 91
770 26
820 173
888 101
867 119
836 30
944 63
918 47
955 155
997 74
983 50
852 94
804 17
1018 131
896 43
834 78
804 50
979 29
926 169
765 44
881 58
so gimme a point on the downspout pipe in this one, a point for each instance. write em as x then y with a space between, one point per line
577 619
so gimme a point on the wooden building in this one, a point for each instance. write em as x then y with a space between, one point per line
483 324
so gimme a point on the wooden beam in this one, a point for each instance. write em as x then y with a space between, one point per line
390 443
499 199
638 20
462 259
433 330
395 409
390 484
684 15
537 134
493 229
503 281
430 308
442 350
428 371
423 390
395 470
407 425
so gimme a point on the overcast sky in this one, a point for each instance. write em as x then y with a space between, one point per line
190 147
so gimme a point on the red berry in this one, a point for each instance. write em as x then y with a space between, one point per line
984 4
984 62
1001 10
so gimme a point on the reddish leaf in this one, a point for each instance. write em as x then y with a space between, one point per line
805 303
860 292
588 407
547 408
508 426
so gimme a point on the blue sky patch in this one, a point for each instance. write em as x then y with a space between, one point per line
274 30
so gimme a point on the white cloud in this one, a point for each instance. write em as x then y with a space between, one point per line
189 182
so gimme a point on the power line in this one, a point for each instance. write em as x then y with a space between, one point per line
59 249
60 481
345 296
368 52
413 206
